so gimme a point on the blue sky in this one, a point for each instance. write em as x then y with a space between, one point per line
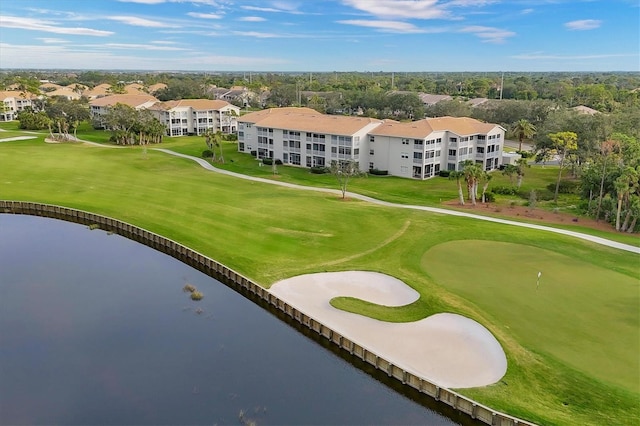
322 35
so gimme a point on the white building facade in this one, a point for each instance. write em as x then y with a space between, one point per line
181 118
303 136
13 102
196 116
419 149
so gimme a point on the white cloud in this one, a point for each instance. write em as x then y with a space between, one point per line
258 34
52 40
584 24
207 2
252 19
139 46
387 26
526 11
404 9
488 34
83 57
205 15
281 9
139 22
47 26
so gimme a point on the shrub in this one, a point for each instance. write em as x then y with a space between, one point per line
379 172
267 161
189 288
278 162
319 170
505 190
541 195
196 295
207 153
566 187
489 197
444 173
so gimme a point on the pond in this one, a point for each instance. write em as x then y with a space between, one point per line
96 329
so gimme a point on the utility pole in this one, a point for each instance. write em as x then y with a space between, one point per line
501 85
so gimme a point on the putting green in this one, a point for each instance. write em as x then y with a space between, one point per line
584 315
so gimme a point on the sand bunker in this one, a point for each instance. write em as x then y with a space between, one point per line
448 349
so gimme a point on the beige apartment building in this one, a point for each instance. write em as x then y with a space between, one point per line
419 149
13 102
184 117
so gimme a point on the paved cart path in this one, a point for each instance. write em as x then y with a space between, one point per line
594 239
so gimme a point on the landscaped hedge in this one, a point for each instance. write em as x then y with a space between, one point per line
566 187
505 190
267 161
444 173
319 170
379 172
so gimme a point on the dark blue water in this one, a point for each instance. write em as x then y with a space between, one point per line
95 329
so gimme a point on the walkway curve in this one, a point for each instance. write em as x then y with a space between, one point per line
598 240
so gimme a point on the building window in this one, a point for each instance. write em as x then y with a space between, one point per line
417 156
371 152
453 140
452 152
480 150
372 139
404 155
451 166
370 166
405 141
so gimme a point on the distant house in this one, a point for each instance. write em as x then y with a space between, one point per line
13 102
240 95
430 100
157 87
196 116
64 92
419 149
100 106
99 91
134 89
474 102
585 110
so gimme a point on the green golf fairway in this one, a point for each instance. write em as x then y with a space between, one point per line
571 345
584 315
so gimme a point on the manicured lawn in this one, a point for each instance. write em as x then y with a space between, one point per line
563 348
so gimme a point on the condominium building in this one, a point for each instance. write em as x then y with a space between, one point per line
419 149
196 116
13 102
184 117
303 136
100 106
422 148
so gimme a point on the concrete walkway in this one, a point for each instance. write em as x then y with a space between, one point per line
17 138
598 240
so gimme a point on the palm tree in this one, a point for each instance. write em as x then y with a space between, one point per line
510 170
521 164
607 148
471 172
486 178
564 142
523 129
623 185
457 175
